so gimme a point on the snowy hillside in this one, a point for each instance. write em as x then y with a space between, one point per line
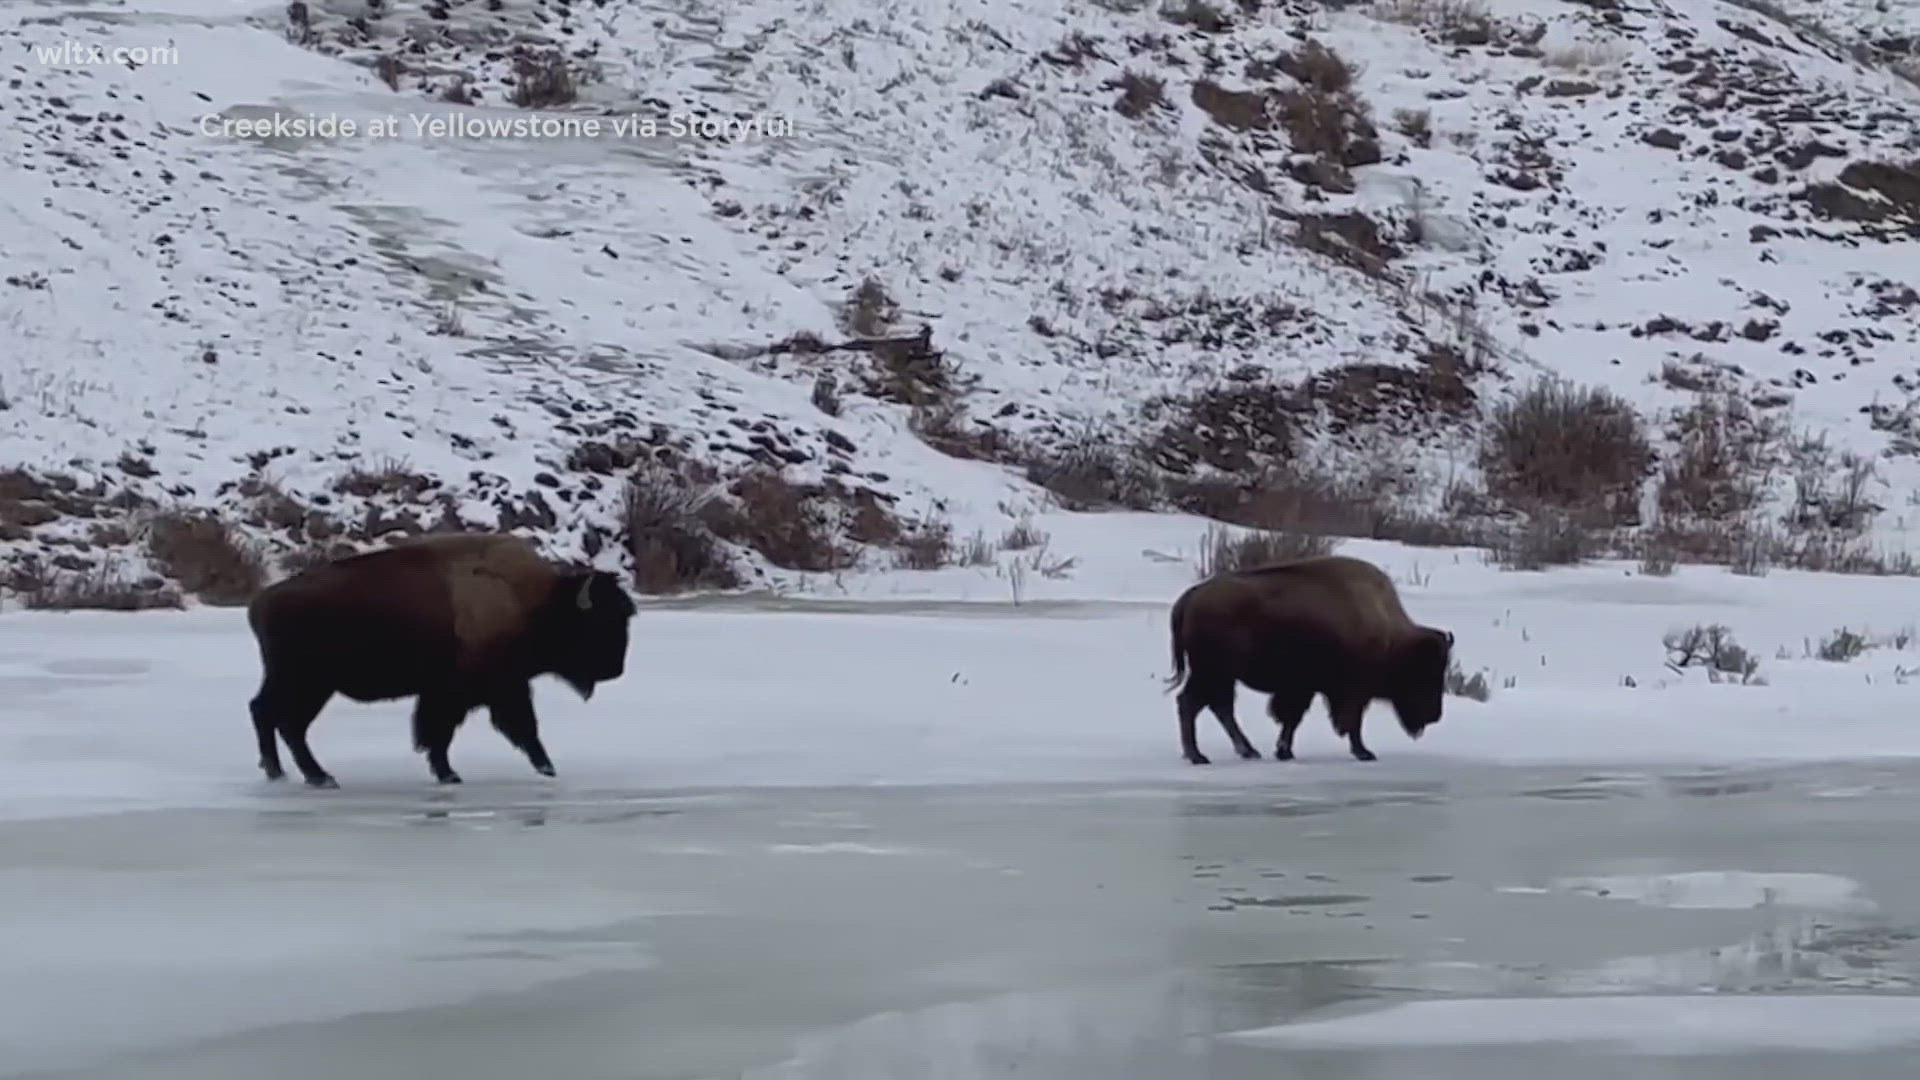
1314 244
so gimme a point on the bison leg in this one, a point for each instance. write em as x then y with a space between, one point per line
512 712
435 718
266 737
1347 712
1287 710
291 714
1191 700
1222 706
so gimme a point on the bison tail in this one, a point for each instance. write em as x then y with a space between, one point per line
1179 652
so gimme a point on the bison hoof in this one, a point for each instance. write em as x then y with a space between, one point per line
1198 759
448 778
322 782
1249 754
1364 755
274 774
543 770
1284 753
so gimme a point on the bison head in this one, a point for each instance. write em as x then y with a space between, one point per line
585 630
1420 683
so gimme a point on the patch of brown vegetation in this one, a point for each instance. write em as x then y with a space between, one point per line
1224 550
206 556
1139 94
97 589
672 548
1724 454
1895 189
389 478
542 80
1571 450
791 525
1350 238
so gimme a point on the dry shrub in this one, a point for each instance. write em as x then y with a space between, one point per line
1139 94
925 545
1724 457
1090 473
870 310
99 589
672 549
946 427
1713 648
1318 68
1022 537
313 556
975 550
386 476
1415 124
1223 550
1466 22
1830 490
1842 645
543 80
1569 449
1546 539
206 556
790 526
1584 56
1474 686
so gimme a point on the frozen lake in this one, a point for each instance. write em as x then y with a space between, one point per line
1056 931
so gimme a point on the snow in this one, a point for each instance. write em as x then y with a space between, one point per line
1645 1024
627 284
942 679
1726 890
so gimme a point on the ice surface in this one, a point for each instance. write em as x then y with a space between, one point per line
1668 1025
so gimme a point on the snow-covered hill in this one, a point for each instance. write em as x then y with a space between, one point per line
1230 238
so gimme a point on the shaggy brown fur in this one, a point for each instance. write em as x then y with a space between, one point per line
1329 625
454 621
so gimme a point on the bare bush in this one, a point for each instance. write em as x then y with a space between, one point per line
206 556
1416 125
1139 94
925 545
1092 473
1223 550
389 477
1474 686
99 589
1713 648
543 80
1842 645
790 526
1022 537
1724 458
975 550
870 310
1567 448
1831 491
672 549
1584 56
1547 539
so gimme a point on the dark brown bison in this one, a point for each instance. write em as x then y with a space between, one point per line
455 621
1328 625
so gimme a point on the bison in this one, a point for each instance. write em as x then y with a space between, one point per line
455 621
1329 625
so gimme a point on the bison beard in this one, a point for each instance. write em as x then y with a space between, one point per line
1331 626
456 622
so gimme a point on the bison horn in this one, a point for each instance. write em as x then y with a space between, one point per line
586 593
1449 634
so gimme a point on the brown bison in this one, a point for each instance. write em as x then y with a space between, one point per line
455 621
1328 625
